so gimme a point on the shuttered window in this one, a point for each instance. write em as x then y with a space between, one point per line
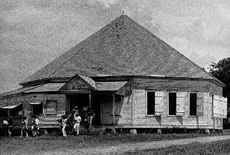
51 107
159 102
150 103
200 104
193 104
219 106
180 103
172 103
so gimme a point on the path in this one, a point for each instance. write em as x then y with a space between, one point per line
139 146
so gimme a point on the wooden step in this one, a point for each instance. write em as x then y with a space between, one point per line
226 131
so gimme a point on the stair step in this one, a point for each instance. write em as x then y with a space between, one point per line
226 131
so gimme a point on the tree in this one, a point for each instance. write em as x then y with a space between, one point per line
221 71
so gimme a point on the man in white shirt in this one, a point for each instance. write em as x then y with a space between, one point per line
77 121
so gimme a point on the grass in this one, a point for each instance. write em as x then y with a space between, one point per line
31 145
220 147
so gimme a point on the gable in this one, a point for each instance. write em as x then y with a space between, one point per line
77 83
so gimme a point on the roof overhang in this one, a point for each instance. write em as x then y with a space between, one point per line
9 107
110 86
35 103
48 87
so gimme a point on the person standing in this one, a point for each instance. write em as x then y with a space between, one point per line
64 125
5 127
35 126
24 128
85 118
77 121
91 115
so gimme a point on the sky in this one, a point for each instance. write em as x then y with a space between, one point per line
34 32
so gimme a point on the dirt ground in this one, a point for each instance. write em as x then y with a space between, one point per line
122 148
106 144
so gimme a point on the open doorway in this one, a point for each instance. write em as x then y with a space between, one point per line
80 100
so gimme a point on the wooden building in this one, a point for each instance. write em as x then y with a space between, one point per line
130 77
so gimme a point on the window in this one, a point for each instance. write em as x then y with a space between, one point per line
150 103
37 109
172 103
193 103
51 107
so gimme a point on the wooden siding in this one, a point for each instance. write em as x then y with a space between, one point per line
219 107
177 85
117 113
26 99
204 120
125 115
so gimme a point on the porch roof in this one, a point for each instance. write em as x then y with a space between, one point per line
49 87
10 106
110 86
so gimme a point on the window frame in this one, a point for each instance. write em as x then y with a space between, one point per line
49 112
169 103
190 104
154 113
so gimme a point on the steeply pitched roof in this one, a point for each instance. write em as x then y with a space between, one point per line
122 47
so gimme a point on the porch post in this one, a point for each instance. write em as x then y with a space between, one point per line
8 113
113 113
90 100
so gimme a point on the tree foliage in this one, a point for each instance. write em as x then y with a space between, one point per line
221 71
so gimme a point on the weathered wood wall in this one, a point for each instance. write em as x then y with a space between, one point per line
177 85
26 99
134 108
203 120
131 110
124 114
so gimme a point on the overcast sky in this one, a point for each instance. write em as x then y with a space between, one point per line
34 32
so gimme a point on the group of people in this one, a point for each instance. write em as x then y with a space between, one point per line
30 125
71 123
75 119
27 125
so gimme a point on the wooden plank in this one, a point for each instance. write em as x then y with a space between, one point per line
200 104
113 108
90 100
180 103
219 107
159 102
177 85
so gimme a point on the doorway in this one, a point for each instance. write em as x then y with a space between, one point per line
80 100
102 104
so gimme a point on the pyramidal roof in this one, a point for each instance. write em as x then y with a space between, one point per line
121 48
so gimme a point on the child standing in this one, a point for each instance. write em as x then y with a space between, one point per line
77 121
24 128
35 126
64 124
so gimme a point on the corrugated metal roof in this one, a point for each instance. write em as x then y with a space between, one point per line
10 106
17 91
49 87
110 86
